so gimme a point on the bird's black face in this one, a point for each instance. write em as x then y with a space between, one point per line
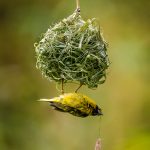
97 111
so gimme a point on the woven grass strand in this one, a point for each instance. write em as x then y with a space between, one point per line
73 50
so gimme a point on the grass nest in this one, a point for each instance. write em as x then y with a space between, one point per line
73 50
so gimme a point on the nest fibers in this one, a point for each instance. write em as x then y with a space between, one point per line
73 50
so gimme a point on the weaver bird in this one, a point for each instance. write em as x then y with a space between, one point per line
75 104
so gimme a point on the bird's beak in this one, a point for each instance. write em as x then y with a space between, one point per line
100 112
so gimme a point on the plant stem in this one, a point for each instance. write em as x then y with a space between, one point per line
78 5
62 86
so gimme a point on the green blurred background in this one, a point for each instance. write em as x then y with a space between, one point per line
26 124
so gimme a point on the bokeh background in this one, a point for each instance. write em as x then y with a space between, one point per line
26 124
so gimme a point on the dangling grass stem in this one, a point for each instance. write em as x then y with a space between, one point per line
78 87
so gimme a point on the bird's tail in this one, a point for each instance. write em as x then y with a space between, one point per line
45 100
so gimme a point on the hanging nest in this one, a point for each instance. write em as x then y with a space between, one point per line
73 50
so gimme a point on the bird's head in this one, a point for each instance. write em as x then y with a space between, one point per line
97 111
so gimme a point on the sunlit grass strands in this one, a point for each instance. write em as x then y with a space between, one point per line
73 50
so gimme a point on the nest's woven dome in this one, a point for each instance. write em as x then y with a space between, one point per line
73 50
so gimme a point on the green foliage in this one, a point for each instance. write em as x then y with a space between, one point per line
73 50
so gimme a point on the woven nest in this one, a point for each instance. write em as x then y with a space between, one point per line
73 50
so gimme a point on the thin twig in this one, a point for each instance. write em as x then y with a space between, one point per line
78 87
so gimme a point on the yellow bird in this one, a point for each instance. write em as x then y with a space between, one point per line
75 104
